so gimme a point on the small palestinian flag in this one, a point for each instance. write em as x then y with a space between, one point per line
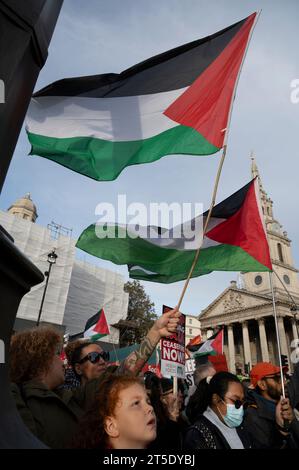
211 347
235 241
194 343
177 102
96 327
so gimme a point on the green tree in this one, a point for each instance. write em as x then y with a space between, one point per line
141 314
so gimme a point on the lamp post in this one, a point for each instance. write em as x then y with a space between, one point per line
51 260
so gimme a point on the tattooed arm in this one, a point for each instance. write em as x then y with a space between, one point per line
163 327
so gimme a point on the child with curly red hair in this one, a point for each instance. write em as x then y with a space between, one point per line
122 417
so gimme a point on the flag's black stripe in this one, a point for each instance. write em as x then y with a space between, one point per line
231 205
92 321
170 70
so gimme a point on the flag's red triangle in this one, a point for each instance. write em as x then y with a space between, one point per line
245 229
102 326
217 344
206 104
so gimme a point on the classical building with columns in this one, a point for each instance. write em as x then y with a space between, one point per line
246 310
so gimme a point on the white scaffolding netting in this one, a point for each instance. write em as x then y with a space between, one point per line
76 290
91 289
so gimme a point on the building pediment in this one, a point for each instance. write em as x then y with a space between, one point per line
233 300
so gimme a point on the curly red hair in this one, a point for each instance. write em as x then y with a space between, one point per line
91 432
32 352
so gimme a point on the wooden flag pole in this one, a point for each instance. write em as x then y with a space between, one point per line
220 164
175 379
277 336
205 226
226 130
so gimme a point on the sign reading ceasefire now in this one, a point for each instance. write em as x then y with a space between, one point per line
173 351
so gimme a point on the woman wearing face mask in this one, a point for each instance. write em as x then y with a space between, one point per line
122 417
219 423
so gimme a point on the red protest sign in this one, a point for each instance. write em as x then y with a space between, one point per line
173 350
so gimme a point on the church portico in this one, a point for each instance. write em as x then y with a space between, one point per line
254 340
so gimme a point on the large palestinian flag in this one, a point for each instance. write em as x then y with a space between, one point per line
177 102
235 241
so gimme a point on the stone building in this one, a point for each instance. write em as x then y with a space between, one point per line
246 310
192 328
76 289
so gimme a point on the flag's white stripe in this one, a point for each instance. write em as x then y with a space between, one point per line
90 332
139 268
115 119
206 347
178 238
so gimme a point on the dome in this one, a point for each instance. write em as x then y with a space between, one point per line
24 206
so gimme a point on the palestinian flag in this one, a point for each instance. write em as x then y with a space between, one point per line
212 346
235 241
96 327
194 343
177 102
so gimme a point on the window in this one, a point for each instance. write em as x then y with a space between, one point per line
279 248
190 331
258 280
190 321
286 279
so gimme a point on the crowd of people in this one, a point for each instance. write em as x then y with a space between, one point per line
91 404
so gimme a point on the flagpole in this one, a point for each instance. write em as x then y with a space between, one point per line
216 183
175 379
114 349
205 226
277 336
220 165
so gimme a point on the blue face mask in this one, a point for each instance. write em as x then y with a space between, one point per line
234 416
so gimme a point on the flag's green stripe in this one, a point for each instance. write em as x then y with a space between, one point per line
209 353
104 160
217 258
170 264
97 336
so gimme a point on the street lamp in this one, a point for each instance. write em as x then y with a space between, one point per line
51 260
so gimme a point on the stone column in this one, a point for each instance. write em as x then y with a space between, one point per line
203 333
231 349
283 339
263 340
294 328
246 343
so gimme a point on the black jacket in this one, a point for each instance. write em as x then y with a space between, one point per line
259 422
205 435
293 387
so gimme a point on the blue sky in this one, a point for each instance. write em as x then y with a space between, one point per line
97 37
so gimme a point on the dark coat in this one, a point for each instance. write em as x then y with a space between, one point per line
259 422
293 387
169 436
205 435
53 416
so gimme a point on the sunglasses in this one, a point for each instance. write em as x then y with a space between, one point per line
95 356
237 403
